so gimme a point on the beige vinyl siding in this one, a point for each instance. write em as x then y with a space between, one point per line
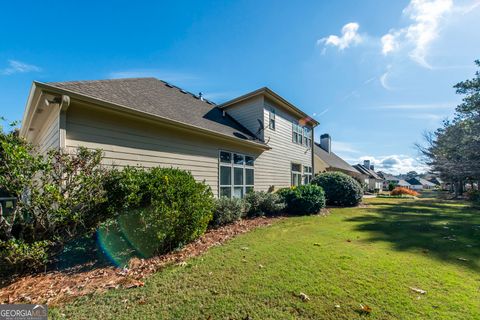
273 167
320 165
247 113
133 141
48 136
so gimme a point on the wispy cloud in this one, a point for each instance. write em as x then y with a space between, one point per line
349 37
383 81
15 66
426 18
156 73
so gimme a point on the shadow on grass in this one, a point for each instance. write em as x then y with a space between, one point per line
445 230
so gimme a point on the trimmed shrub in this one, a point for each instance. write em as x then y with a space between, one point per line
398 191
340 189
161 209
391 186
227 210
262 203
306 199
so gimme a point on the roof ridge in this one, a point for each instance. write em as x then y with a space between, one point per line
103 80
168 84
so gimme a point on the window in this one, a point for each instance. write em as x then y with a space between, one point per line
297 133
307 174
296 174
301 135
236 174
271 118
307 137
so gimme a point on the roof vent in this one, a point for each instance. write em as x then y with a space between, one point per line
183 91
168 85
200 96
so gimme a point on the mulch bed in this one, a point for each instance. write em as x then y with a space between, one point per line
57 287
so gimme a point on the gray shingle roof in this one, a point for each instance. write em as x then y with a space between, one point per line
362 169
403 183
332 159
159 98
387 176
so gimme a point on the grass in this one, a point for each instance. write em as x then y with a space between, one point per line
370 255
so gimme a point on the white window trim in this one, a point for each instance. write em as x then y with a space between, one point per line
232 165
302 138
307 173
272 115
296 173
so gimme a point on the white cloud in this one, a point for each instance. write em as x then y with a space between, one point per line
395 163
349 37
389 43
426 17
15 66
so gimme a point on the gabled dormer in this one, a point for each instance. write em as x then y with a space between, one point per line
261 110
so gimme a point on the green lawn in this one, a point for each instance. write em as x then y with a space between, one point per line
354 256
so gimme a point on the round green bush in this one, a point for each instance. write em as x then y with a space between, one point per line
227 210
306 199
340 189
261 203
164 205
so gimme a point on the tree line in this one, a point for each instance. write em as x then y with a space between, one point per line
453 150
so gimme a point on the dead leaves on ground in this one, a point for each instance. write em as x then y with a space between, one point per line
57 287
365 309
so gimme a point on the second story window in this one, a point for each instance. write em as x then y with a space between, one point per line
297 133
271 119
307 136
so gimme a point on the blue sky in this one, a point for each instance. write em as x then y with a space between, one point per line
376 74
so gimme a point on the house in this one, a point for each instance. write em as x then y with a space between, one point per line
258 141
438 182
404 184
418 183
388 179
326 160
373 182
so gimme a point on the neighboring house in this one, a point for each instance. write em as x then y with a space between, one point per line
418 183
326 160
438 182
387 179
257 141
403 183
372 180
